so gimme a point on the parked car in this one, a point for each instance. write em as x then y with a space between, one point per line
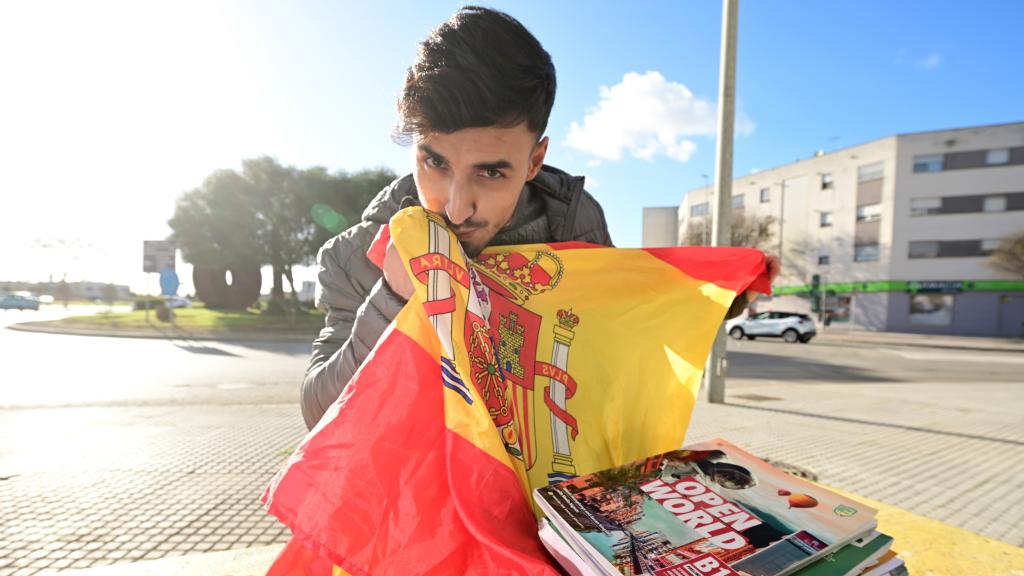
11 301
790 326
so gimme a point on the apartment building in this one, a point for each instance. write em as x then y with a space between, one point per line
897 230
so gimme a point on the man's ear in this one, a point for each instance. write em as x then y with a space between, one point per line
540 149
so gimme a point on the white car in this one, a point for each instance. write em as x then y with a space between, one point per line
790 326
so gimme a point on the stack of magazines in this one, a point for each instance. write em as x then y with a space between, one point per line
709 509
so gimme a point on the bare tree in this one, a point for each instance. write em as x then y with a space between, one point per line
752 231
800 259
1009 257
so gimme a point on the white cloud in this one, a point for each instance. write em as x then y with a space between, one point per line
932 62
646 116
593 163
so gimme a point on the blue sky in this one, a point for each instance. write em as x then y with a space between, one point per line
117 108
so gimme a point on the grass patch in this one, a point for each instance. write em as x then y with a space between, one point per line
201 320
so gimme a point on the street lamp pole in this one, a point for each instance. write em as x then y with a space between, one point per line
720 225
782 216
706 225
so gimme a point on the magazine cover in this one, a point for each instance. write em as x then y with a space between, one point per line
683 512
854 558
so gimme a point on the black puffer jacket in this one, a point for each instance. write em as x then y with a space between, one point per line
553 207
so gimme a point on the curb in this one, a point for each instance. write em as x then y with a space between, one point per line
841 339
932 547
42 328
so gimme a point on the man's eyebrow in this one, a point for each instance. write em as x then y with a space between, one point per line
495 165
431 152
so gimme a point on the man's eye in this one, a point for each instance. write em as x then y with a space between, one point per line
434 162
491 174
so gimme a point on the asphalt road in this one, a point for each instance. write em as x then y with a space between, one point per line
769 361
52 370
56 370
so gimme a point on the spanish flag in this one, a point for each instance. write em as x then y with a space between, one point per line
530 365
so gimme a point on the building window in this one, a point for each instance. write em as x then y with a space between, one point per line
737 201
990 245
968 204
952 248
865 253
931 309
766 195
994 204
823 260
699 209
925 206
870 172
826 182
869 212
929 163
997 156
825 220
926 249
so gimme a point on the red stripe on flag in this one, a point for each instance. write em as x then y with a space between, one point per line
379 246
382 487
736 269
295 559
555 373
574 245
435 307
434 261
493 508
727 267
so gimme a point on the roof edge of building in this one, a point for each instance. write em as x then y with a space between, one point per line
872 141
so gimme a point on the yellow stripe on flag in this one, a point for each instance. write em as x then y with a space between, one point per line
587 358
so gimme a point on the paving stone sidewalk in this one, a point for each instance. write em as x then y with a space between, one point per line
110 485
953 452
98 486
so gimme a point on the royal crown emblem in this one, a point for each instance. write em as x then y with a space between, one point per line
519 276
567 319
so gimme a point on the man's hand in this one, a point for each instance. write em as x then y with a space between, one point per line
773 265
395 275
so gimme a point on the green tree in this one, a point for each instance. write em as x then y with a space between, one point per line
270 214
217 224
326 204
337 201
274 191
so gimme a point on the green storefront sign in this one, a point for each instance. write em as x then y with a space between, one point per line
910 286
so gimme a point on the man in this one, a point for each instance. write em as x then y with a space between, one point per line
475 106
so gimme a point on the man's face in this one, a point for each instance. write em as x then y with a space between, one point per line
473 178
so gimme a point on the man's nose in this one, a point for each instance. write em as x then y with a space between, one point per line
461 204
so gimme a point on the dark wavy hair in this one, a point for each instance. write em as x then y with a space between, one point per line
480 68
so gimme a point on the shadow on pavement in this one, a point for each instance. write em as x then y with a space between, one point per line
288 347
778 367
202 349
879 424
